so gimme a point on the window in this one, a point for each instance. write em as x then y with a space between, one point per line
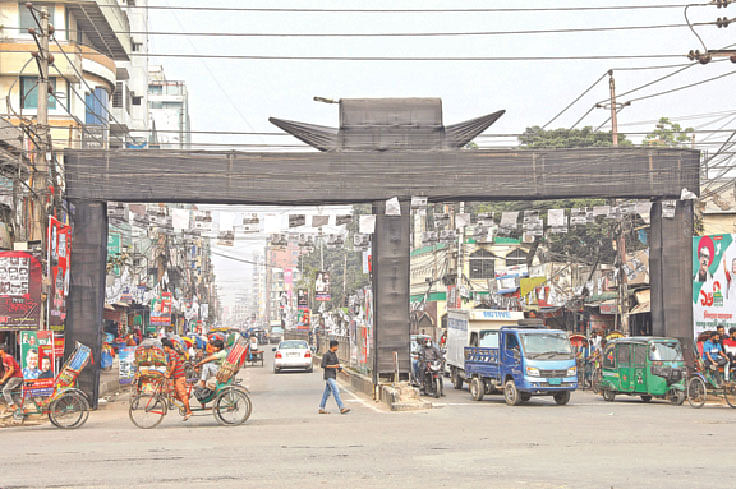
172 105
482 264
488 339
516 257
29 92
137 100
640 354
512 343
97 107
623 353
118 96
155 89
137 46
609 357
26 19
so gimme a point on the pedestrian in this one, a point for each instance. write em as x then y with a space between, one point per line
11 380
331 365
729 345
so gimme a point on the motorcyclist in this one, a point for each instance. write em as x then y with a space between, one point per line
427 354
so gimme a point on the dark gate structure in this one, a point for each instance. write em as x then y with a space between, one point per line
384 148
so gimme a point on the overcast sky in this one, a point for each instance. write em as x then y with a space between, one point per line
530 91
237 95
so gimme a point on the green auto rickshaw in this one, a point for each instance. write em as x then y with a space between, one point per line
644 366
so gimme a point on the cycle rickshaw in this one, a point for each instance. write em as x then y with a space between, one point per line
67 407
228 399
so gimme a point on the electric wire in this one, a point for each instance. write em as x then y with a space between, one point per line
397 34
406 11
575 100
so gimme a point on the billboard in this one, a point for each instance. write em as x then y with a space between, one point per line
20 291
302 298
161 310
322 286
714 282
37 362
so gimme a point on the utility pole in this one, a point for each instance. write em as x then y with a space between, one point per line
41 166
614 123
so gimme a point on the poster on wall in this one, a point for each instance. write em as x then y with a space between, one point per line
37 362
302 298
127 368
714 282
60 241
20 291
161 310
322 286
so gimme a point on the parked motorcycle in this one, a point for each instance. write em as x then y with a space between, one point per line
432 382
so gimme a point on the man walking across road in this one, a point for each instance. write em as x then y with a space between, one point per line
331 365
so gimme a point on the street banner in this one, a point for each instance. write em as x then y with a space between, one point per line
37 362
322 286
20 291
161 309
342 219
127 367
60 242
714 282
302 299
367 224
319 221
297 220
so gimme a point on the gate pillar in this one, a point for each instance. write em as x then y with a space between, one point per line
391 292
86 298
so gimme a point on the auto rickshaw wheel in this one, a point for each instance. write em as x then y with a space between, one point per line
477 389
676 397
729 392
609 395
646 398
696 392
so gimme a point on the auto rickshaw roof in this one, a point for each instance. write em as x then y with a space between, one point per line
641 339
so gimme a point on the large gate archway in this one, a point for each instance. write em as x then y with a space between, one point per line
439 172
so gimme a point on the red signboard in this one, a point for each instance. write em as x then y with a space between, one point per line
20 291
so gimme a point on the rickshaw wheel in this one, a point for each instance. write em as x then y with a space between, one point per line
696 392
729 392
69 411
232 407
147 410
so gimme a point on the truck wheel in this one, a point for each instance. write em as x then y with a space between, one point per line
511 394
525 396
477 389
457 381
562 398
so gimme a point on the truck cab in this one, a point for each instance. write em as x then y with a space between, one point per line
521 362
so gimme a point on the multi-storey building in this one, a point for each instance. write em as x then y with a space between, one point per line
168 108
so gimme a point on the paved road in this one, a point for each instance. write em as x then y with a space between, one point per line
588 444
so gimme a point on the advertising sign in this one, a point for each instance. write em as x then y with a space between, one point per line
127 368
322 286
714 282
302 298
60 243
20 291
37 362
161 309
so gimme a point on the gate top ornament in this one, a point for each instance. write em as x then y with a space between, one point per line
389 124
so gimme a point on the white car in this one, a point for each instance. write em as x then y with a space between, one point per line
292 354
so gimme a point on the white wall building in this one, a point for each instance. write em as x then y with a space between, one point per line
168 109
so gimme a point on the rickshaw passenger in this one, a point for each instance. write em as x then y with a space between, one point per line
211 363
713 352
175 371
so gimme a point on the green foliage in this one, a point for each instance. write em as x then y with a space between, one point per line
670 134
536 137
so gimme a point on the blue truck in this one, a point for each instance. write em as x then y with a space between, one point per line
501 352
